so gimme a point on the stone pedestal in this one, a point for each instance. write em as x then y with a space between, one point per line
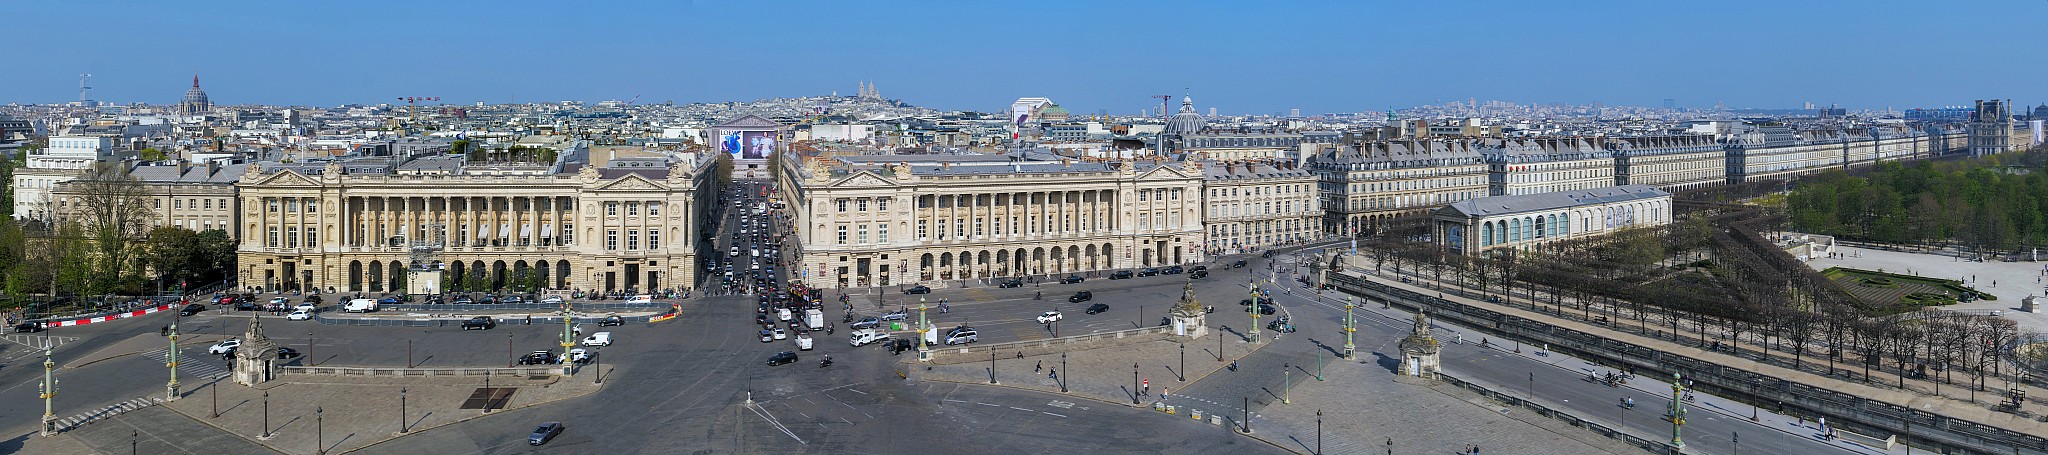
2031 304
256 360
1419 351
1188 317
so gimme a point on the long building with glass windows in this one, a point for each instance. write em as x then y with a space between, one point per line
1521 221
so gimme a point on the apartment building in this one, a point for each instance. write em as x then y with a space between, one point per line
1365 186
1251 205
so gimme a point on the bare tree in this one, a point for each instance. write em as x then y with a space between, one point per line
115 213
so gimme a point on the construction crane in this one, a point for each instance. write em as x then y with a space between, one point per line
1163 100
410 103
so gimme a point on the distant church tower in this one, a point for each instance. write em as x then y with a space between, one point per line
195 102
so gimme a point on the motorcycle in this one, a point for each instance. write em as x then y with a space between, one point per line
825 363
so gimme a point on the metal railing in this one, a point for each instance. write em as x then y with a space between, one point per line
423 372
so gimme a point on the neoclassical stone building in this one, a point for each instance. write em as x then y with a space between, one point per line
359 225
895 220
1256 204
1526 220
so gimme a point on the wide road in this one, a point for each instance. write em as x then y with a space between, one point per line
1563 385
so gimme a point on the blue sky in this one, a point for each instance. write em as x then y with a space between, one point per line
1240 57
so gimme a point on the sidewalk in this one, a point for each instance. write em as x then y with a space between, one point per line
357 412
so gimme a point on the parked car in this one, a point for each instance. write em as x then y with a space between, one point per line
551 300
1198 274
1071 279
577 356
895 316
538 358
299 315
1049 317
546 432
767 336
479 323
1149 271
1199 268
1174 270
1120 274
1010 283
866 323
286 353
387 301
598 339
1097 308
918 289
463 301
248 306
782 358
28 327
307 307
1082 296
780 334
1263 309
224 347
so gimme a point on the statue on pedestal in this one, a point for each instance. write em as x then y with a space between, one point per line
1419 351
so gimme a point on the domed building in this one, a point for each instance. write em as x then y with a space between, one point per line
195 102
1182 124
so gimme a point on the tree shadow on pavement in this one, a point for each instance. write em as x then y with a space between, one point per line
15 444
1392 365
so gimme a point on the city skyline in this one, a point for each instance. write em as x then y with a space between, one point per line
1240 61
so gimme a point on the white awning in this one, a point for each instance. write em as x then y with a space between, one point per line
504 231
547 231
483 232
525 231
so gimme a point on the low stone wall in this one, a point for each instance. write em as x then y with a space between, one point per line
949 355
422 372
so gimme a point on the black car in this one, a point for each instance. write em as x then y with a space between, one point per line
1071 279
1237 265
1263 309
28 327
784 357
611 321
918 289
1245 302
1267 254
479 323
1148 272
1175 270
192 309
1011 283
1198 274
1120 274
1082 296
1199 268
546 432
248 306
538 358
286 353
1097 308
761 318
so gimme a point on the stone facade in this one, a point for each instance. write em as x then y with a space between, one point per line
1475 226
1254 205
1368 185
630 225
901 220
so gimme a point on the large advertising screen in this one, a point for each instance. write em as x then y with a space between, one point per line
750 145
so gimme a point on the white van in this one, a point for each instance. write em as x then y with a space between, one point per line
782 315
598 339
643 298
864 336
360 306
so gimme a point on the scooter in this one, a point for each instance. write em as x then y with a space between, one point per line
825 363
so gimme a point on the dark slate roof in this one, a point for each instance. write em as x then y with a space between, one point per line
1523 203
1010 168
1212 170
648 173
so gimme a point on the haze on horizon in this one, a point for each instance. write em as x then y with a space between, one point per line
1236 57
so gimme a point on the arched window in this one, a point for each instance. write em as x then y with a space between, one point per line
1486 234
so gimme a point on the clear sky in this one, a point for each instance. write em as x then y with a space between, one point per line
1241 57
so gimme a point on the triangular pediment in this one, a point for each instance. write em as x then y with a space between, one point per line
632 182
287 177
1163 172
863 178
749 121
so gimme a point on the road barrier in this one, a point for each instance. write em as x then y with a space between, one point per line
578 306
455 320
422 372
1654 446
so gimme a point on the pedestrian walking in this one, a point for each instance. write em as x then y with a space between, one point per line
1054 374
1147 389
1040 367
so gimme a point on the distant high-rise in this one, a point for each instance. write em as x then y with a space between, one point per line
1670 103
1296 113
1212 111
195 102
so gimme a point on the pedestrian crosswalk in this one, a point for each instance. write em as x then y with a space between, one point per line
38 341
111 410
194 366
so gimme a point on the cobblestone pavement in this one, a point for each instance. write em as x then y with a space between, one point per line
1362 406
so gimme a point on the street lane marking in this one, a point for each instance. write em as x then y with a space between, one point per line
1050 414
1020 409
986 404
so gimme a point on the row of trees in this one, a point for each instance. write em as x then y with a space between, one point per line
105 244
1994 203
1712 279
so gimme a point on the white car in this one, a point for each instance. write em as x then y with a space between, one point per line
598 339
1049 317
551 300
224 347
306 307
299 315
781 334
578 355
